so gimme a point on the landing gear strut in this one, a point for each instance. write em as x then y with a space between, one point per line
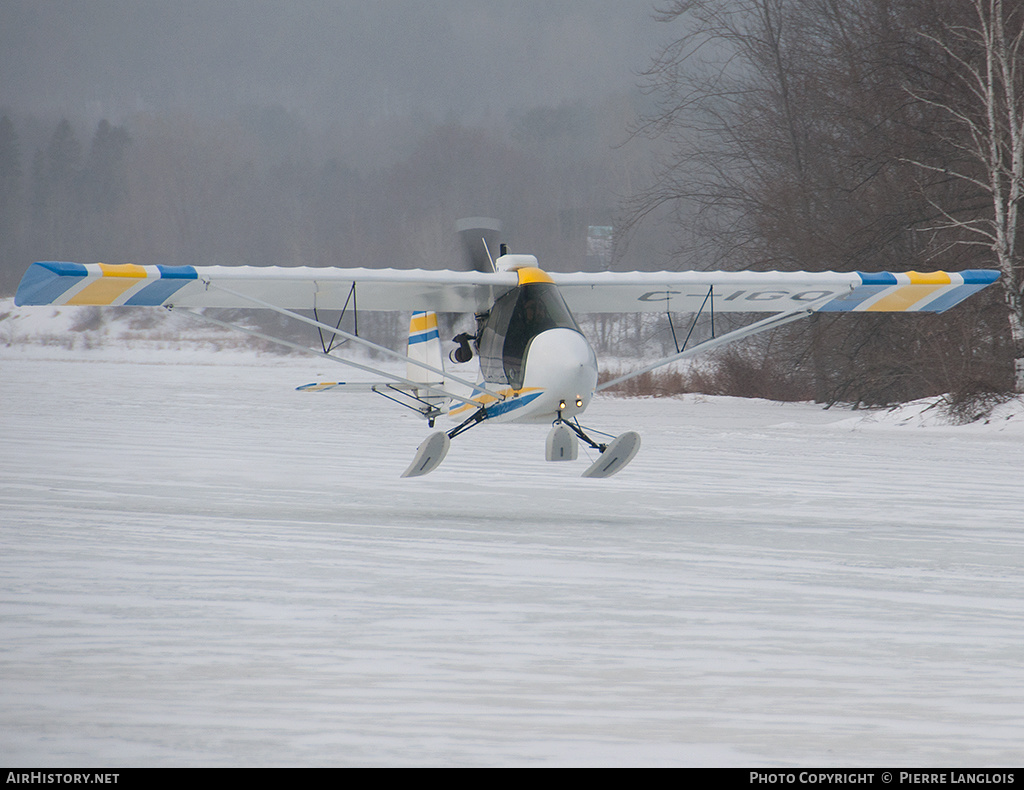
434 448
562 445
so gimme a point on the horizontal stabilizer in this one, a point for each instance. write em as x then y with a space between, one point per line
355 386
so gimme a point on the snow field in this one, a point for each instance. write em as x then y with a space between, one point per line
201 566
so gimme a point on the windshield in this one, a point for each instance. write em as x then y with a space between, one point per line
517 318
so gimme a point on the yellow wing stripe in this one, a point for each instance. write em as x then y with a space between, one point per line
922 286
122 270
115 279
929 278
904 298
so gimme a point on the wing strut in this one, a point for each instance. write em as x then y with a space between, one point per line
476 388
328 346
711 296
419 385
771 322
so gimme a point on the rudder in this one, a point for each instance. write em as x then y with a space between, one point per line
425 347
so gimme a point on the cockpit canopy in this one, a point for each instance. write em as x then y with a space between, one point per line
515 319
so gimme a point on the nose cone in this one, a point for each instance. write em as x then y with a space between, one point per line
562 364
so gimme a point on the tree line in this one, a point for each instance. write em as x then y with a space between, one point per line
851 135
261 189
794 135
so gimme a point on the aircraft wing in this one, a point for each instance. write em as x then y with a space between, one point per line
291 288
769 292
297 288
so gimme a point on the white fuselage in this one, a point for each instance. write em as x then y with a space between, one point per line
560 375
562 367
537 365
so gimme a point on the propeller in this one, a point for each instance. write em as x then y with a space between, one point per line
479 237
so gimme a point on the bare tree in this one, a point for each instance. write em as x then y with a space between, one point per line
719 88
987 52
792 138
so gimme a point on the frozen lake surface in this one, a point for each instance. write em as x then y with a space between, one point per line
201 566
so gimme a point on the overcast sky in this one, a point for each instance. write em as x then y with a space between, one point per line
321 59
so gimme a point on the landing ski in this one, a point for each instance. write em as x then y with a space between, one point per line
561 445
429 455
615 456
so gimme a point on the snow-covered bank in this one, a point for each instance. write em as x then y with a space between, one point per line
202 566
95 333
1007 415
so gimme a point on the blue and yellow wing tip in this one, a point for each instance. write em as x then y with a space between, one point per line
899 292
66 283
46 281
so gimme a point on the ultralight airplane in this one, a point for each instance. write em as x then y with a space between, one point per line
536 366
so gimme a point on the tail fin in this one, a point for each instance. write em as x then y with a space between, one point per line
425 347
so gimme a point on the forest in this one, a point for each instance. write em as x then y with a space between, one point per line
769 134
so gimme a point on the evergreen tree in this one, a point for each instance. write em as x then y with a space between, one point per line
56 176
104 179
10 206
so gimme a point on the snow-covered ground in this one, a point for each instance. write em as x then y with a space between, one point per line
201 566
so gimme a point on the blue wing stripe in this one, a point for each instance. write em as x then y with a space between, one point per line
46 281
157 292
